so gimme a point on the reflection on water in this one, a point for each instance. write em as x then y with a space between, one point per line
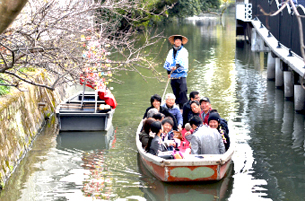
86 141
268 134
276 134
61 167
97 182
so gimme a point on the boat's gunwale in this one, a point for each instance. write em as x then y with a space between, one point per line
66 113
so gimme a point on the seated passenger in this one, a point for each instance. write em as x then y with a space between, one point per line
194 95
158 116
144 135
222 122
178 138
206 107
155 102
204 140
168 134
195 110
173 108
214 122
155 143
151 112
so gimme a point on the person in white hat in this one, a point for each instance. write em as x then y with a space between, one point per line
176 64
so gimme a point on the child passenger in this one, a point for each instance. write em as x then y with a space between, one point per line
178 138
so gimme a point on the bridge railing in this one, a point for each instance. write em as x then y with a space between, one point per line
284 26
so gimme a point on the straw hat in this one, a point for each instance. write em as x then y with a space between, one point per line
171 39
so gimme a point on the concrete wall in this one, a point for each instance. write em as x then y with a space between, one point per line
22 115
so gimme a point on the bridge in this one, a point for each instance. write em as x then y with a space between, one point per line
270 26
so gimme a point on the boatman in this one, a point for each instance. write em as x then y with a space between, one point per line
176 65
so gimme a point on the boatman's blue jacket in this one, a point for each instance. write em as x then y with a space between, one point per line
181 59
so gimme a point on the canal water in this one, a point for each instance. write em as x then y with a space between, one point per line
268 163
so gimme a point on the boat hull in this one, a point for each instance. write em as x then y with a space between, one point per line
85 121
185 173
159 190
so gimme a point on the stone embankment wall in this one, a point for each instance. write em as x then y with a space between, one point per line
22 115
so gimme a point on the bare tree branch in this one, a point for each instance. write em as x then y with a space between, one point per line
30 82
64 37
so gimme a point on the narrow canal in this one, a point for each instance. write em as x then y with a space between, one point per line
268 162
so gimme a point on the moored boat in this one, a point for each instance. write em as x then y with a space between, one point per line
87 111
84 111
207 167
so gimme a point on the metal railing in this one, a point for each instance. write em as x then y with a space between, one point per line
284 26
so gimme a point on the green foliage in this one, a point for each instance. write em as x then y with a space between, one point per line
207 5
186 8
3 89
154 12
28 69
181 9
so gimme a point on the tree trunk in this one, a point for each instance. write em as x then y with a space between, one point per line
9 9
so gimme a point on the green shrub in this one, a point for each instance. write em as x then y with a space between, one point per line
3 89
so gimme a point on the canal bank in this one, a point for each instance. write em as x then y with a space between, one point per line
23 114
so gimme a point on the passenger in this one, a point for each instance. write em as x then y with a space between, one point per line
194 95
223 122
155 102
168 134
204 140
195 110
155 144
206 107
158 116
178 138
151 112
173 108
144 135
214 122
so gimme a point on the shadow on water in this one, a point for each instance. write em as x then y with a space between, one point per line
155 189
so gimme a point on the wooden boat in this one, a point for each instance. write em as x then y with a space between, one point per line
84 111
211 167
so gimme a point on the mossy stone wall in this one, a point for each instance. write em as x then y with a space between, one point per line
22 115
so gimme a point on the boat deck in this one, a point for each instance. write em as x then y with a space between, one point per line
90 103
